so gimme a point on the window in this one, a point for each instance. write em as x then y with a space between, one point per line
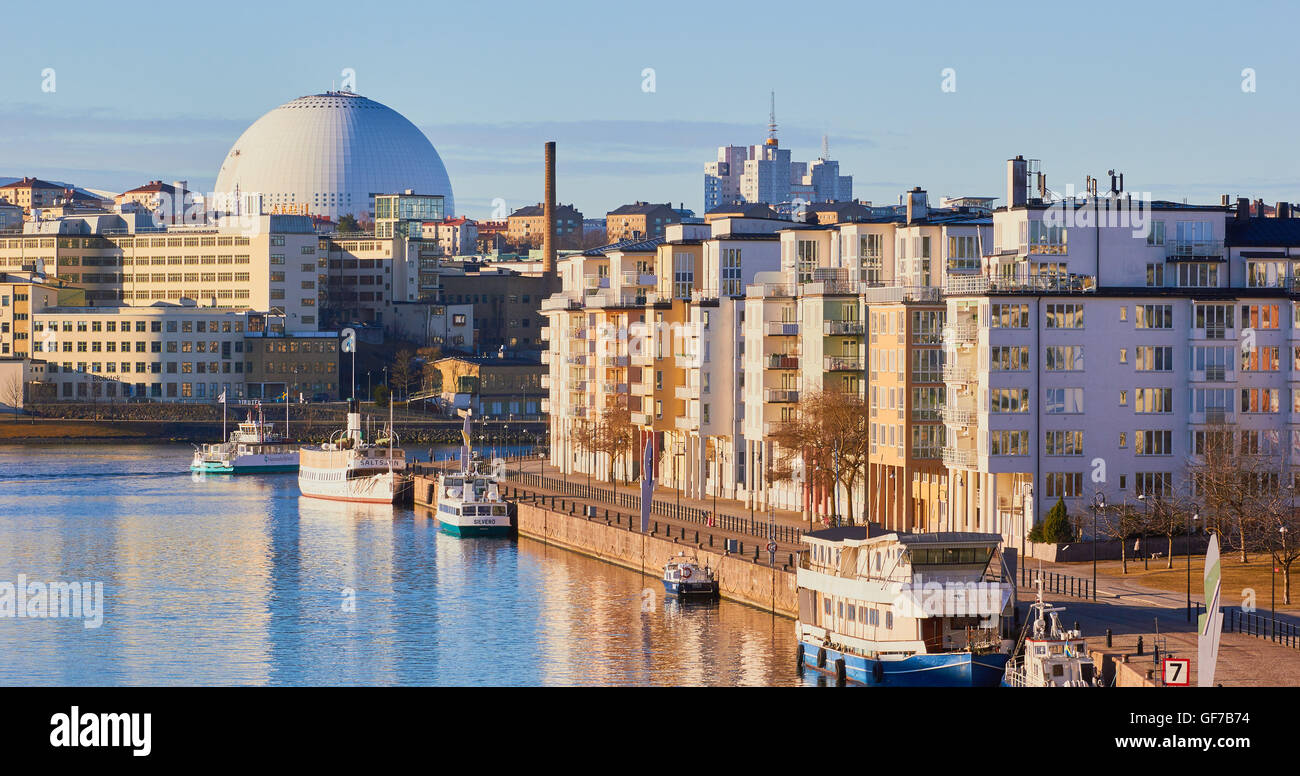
1063 484
1259 400
1010 358
1009 316
1259 316
1009 400
1153 483
1155 316
1154 359
1063 443
1063 401
1007 442
1065 316
1063 358
1159 442
1260 359
1153 400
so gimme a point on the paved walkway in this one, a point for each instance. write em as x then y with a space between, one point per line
729 523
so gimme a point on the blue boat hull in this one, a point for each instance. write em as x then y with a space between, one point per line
692 589
219 469
952 669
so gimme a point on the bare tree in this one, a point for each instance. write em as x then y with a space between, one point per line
11 392
1123 522
830 436
402 372
1232 473
613 435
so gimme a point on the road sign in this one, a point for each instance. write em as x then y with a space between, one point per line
771 546
1177 672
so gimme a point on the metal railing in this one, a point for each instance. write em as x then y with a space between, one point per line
842 364
1261 626
842 328
739 524
1055 582
782 395
782 328
1193 249
963 459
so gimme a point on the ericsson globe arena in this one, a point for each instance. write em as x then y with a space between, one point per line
329 155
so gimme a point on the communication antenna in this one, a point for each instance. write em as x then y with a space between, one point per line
771 120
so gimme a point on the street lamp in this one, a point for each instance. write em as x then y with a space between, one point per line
1193 516
1098 504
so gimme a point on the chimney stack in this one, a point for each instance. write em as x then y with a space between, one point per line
1243 208
548 212
1283 210
1017 179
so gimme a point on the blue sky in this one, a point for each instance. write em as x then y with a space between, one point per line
1154 90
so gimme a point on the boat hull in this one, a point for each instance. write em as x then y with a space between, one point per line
692 589
475 530
948 669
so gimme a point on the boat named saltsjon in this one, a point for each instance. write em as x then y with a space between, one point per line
350 467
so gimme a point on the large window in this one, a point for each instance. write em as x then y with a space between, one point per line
1063 401
1009 316
1065 316
1009 400
1063 443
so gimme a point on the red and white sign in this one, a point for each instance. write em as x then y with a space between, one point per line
1177 672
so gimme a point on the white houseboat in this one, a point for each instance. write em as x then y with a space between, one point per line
254 447
883 608
351 468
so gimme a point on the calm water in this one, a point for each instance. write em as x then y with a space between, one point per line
242 581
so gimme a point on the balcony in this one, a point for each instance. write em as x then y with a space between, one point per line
1211 416
686 392
781 395
546 381
615 387
964 332
955 458
687 423
639 279
578 360
1046 283
955 373
546 356
782 361
776 289
842 328
1194 250
896 294
782 329
959 416
616 361
545 333
842 364
642 419
546 406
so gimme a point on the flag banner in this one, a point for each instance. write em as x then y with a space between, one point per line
464 447
647 482
1210 625
222 397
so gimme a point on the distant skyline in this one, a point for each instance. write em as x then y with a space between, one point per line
1085 89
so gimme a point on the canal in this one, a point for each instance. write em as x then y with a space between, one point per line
224 580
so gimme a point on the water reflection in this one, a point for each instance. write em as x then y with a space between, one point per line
225 580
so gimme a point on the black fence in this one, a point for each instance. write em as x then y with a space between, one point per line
1054 582
1257 624
740 524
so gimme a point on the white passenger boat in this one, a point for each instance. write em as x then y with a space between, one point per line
351 468
469 503
254 447
1053 656
880 608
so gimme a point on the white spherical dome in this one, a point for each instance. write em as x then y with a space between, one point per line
333 152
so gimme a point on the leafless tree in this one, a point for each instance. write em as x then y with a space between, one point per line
830 437
11 392
1123 522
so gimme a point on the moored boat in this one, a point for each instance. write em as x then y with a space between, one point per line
254 447
1053 655
686 578
882 608
469 503
351 468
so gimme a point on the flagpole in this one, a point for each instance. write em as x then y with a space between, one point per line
223 416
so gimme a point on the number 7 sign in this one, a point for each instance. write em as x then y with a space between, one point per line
1177 672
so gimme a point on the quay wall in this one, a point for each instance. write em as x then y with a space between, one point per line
765 587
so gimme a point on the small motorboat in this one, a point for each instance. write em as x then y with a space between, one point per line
688 579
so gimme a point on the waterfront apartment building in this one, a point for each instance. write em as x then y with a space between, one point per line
964 331
22 293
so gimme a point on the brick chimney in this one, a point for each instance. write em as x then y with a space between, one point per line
548 212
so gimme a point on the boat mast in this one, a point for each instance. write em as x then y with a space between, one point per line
390 435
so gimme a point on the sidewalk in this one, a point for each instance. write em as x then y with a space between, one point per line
784 517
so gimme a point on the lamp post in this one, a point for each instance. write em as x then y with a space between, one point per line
1098 504
1192 516
679 450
